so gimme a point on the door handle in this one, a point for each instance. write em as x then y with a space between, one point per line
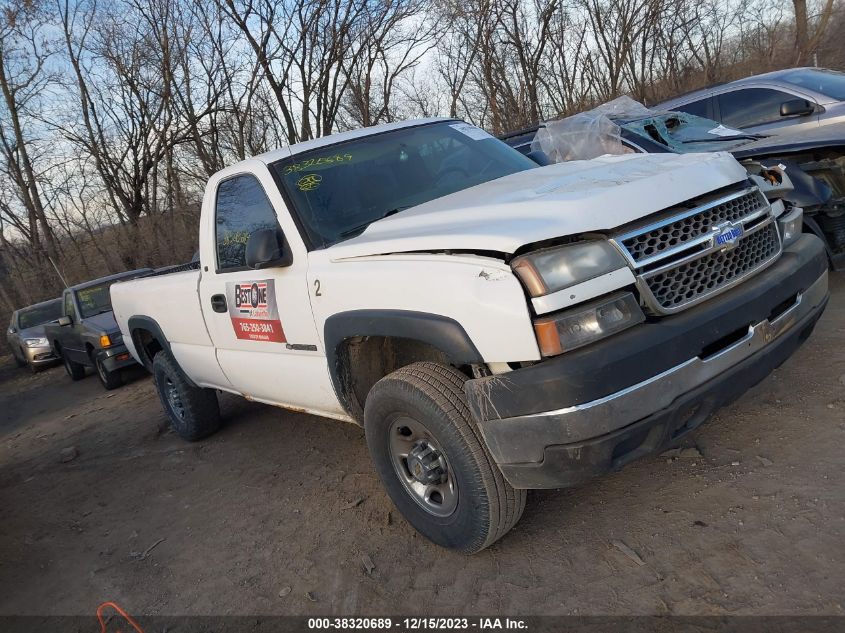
218 303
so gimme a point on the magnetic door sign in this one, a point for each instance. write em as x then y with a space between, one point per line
253 311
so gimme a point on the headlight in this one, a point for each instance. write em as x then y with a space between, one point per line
586 323
791 225
36 342
553 269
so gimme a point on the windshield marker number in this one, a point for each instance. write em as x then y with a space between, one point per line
317 162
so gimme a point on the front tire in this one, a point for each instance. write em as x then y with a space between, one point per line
433 462
193 411
74 370
20 361
109 379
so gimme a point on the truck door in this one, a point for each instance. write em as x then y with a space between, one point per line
260 321
70 336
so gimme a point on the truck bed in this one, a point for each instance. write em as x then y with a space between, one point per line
170 298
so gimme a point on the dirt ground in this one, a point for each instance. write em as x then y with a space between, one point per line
277 513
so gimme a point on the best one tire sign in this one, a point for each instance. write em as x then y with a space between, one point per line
253 311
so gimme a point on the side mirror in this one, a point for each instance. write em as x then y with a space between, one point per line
12 330
796 107
266 248
64 320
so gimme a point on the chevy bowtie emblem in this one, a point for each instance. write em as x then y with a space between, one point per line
727 234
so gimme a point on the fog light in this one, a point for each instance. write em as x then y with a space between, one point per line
587 323
791 225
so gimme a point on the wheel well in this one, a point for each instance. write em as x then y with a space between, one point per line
364 360
147 345
89 350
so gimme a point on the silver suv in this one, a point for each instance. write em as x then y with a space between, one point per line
796 98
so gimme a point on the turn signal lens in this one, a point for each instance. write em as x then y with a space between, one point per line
105 341
579 326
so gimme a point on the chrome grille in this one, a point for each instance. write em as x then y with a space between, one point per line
646 245
717 269
690 255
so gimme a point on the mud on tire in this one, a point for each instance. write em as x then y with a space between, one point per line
430 396
193 411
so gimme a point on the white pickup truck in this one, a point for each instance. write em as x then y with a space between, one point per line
495 326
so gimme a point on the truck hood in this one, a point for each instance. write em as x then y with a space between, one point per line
102 323
538 204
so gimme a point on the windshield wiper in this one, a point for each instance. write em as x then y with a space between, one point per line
362 227
717 139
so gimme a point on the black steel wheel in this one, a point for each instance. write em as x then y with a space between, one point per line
193 411
433 462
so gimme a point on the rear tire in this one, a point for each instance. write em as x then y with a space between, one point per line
109 379
74 370
423 406
193 411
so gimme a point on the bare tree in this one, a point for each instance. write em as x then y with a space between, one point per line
393 37
805 42
124 93
23 56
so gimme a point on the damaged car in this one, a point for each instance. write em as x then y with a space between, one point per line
813 161
495 326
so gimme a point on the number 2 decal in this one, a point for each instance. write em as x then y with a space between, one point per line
317 292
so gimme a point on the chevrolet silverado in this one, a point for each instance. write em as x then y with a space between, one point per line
494 325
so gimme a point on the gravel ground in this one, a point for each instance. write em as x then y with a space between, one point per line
281 513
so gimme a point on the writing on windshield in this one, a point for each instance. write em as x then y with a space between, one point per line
94 299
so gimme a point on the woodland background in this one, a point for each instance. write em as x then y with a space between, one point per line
114 113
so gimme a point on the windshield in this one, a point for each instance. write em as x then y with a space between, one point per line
686 133
827 82
40 314
337 191
94 299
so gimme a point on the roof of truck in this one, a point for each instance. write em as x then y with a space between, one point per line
339 137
